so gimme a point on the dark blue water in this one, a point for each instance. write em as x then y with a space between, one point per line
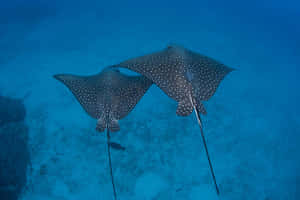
252 126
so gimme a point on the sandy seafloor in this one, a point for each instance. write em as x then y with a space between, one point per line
253 122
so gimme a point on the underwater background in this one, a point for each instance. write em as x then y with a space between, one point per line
253 122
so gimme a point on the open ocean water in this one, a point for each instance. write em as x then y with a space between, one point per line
253 122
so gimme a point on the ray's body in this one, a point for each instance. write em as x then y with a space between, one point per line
187 77
108 97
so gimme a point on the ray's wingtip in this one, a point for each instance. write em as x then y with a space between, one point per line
229 69
232 69
57 76
62 77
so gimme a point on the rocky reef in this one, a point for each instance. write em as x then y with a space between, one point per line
14 152
11 110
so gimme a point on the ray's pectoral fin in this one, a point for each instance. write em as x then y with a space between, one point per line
83 88
113 125
101 125
200 108
184 108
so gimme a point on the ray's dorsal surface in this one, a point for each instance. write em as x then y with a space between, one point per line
178 72
108 96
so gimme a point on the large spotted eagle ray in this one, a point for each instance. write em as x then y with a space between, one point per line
184 75
108 96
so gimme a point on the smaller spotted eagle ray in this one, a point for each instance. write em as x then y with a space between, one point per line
185 76
108 97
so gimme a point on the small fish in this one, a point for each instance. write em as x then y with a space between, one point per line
116 146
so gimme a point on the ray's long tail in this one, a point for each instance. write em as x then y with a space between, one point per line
206 150
109 159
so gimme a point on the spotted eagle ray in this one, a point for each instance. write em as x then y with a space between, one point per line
108 97
185 76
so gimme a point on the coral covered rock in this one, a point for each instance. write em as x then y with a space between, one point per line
11 110
14 153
